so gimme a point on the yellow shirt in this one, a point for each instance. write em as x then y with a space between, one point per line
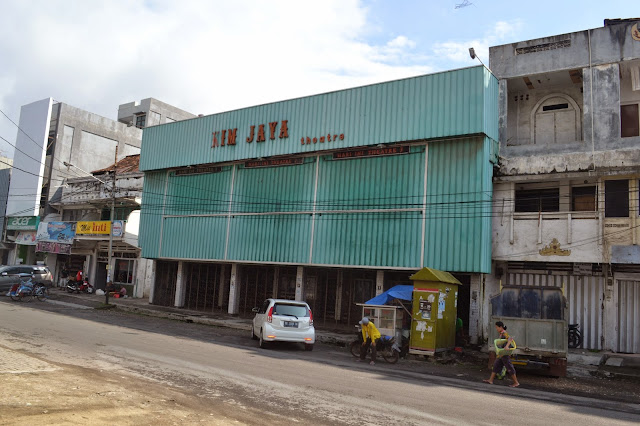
371 331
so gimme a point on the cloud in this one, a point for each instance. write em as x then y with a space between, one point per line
202 56
458 51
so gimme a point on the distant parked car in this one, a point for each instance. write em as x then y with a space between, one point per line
10 275
283 321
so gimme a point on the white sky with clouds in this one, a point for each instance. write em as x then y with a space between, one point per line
212 56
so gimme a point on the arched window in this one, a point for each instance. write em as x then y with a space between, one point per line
556 119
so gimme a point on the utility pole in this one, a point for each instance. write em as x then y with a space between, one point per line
109 285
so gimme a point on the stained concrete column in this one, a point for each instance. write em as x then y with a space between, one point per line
379 282
300 283
476 309
234 291
93 268
150 278
488 289
181 288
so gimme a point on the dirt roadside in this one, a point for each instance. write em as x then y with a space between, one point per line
38 392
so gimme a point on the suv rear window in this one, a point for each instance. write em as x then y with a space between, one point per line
289 309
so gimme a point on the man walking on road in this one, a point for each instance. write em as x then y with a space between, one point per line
370 335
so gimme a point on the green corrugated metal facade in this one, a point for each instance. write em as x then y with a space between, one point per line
360 212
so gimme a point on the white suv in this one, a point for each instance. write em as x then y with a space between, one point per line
284 321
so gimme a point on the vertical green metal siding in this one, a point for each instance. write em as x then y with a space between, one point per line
459 194
441 105
368 239
270 238
194 237
367 211
371 183
274 189
199 194
151 213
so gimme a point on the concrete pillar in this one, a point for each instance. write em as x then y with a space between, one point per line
87 264
338 307
150 278
223 286
488 289
276 278
181 288
475 309
11 259
300 283
93 268
50 262
234 291
379 282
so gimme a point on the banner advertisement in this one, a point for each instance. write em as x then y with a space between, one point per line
56 248
23 223
26 238
99 228
56 232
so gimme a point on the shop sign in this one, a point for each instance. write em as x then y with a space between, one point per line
371 152
273 163
582 269
49 247
198 170
26 238
56 232
23 223
99 227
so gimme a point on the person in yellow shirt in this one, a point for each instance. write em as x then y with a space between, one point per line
370 336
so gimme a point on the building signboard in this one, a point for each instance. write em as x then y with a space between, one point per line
23 223
197 170
50 247
99 228
274 162
582 269
56 232
26 238
371 152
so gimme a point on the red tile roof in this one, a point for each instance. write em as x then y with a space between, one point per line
129 164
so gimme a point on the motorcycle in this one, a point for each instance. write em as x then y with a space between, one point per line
84 287
575 336
386 346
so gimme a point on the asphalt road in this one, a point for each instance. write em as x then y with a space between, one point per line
225 378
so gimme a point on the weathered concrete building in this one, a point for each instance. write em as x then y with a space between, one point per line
565 210
56 144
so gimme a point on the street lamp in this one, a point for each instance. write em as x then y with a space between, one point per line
472 53
113 206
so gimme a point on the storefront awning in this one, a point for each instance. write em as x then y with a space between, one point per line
402 292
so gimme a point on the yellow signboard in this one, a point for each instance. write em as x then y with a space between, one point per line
101 227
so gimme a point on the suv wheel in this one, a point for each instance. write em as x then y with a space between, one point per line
253 333
308 346
263 344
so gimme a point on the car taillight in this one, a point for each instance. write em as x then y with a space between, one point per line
310 317
270 315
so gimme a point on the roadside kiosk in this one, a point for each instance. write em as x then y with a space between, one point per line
434 313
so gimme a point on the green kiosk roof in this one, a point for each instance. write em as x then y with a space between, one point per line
428 274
